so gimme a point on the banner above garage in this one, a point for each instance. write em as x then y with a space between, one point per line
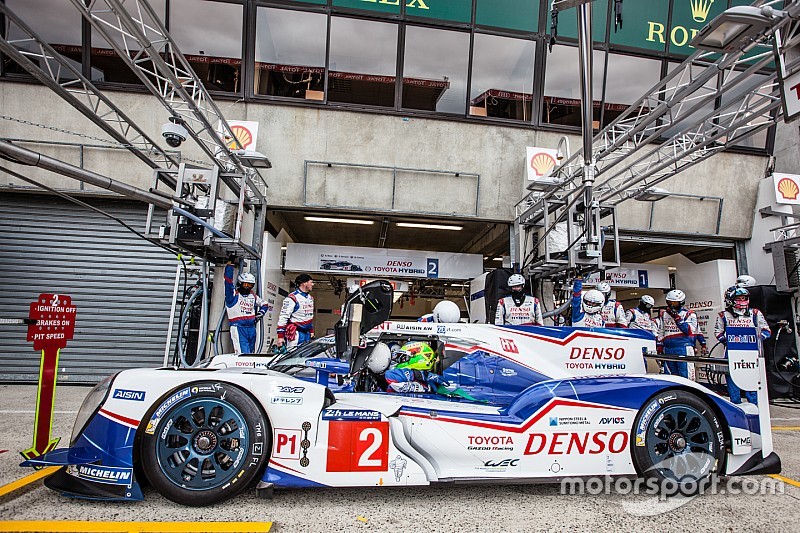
633 275
382 262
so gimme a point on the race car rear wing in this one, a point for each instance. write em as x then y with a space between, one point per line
747 368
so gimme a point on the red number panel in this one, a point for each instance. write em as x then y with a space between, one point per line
358 446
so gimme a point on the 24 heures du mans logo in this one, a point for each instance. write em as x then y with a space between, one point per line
681 35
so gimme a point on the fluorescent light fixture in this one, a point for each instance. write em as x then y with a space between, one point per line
428 226
253 159
497 259
733 28
283 247
341 220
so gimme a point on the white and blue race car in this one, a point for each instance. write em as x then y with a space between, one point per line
541 403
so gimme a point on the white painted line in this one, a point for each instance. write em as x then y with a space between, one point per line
8 412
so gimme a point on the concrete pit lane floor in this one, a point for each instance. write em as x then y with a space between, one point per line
445 508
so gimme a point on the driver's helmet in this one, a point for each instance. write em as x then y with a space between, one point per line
420 356
380 358
516 282
737 300
245 282
593 301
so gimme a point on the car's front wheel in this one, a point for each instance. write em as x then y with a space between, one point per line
678 439
204 443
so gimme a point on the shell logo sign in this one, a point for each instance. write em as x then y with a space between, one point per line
245 131
242 135
540 161
787 188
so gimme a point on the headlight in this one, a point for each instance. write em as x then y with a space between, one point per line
89 406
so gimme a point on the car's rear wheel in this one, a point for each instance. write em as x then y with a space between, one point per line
678 439
204 443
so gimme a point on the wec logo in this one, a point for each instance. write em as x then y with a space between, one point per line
504 462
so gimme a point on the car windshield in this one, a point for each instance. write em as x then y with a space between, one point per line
295 359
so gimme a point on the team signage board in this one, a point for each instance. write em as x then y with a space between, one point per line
633 275
787 188
382 262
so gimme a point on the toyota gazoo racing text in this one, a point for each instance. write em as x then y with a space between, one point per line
536 403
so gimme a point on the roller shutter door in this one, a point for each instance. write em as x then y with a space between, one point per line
121 284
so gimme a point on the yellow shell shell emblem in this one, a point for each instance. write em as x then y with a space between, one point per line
788 189
542 163
242 134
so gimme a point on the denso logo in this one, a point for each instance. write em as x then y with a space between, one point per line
579 443
399 263
123 394
504 462
597 353
612 420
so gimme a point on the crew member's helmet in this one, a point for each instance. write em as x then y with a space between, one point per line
380 358
516 282
420 356
647 302
245 282
737 300
675 298
593 301
447 312
745 281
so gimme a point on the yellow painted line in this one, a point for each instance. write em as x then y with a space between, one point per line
787 480
27 480
22 526
786 428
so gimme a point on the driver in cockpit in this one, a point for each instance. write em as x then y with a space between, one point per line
414 373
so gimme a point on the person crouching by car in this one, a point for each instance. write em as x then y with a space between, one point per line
296 320
245 308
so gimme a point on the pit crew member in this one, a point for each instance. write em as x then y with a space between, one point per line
416 373
738 313
677 332
518 308
296 320
587 309
745 281
613 311
639 317
244 308
445 311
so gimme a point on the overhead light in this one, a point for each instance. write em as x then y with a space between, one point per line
253 159
341 220
560 153
497 259
428 226
283 247
733 28
672 269
651 194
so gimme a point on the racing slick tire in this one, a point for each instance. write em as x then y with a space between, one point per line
678 441
205 443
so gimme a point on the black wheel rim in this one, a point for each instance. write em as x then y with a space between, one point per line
680 443
201 443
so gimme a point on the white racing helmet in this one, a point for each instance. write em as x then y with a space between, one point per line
648 301
745 281
380 358
593 301
604 287
675 296
447 312
515 280
246 277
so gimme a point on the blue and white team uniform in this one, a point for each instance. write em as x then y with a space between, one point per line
243 313
614 315
579 317
752 319
638 319
296 320
677 337
527 313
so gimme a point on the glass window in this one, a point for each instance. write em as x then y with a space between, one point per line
520 15
363 58
759 140
435 82
106 64
644 24
59 24
210 36
502 77
568 21
629 78
290 53
562 87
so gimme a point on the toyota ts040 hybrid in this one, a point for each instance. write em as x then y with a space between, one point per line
521 404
